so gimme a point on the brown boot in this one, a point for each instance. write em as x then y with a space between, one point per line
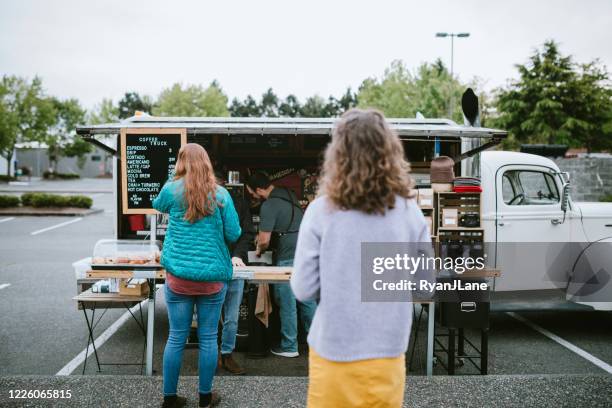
219 362
231 365
213 399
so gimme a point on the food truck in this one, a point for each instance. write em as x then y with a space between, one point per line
524 198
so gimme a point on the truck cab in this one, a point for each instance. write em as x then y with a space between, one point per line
538 236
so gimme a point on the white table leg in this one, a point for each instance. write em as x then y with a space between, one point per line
430 337
150 331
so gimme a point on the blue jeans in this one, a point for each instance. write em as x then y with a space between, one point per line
288 307
180 315
231 308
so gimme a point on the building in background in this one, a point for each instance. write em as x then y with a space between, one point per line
34 156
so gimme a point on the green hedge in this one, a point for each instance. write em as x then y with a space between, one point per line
80 201
39 200
26 199
606 198
6 179
9 201
62 176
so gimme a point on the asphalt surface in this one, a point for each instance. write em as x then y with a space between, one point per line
463 391
40 326
41 329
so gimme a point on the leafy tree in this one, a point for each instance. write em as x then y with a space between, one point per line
61 138
25 114
192 100
557 101
103 112
290 107
248 108
314 107
332 108
132 102
214 101
269 104
393 94
591 112
400 93
347 101
434 90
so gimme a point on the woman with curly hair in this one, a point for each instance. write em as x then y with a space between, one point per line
356 348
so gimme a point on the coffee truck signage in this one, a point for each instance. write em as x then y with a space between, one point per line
148 158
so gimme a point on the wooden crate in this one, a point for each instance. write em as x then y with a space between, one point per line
464 203
85 284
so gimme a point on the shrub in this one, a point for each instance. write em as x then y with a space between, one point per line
48 200
26 199
7 201
80 201
49 175
606 198
40 200
4 178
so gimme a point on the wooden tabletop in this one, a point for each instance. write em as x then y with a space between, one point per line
269 273
480 273
255 273
119 274
89 296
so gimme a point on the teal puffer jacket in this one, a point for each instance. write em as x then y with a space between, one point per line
197 251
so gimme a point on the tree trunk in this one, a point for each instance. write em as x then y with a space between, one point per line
52 155
9 159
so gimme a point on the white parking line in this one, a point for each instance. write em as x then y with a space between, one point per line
599 363
4 285
112 329
6 219
56 226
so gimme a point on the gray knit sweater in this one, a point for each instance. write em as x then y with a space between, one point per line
327 267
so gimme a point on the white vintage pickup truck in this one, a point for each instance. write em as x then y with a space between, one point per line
538 236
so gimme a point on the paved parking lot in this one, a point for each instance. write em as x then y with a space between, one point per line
42 332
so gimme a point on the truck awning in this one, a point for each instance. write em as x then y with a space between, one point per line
418 128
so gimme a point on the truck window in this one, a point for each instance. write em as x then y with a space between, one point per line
527 187
508 191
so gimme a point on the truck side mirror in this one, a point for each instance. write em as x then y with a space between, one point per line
565 197
565 176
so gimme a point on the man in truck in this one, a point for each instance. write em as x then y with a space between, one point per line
280 217
235 288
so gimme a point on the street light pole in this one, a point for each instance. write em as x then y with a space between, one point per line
452 65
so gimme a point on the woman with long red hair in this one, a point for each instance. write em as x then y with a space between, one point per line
197 261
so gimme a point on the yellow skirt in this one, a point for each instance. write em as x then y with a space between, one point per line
365 383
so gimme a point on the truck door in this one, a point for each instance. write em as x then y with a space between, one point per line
530 227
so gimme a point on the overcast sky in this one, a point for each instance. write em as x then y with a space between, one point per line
95 49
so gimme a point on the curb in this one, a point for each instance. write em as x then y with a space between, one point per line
70 212
288 392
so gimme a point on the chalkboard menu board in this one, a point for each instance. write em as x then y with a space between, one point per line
148 158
